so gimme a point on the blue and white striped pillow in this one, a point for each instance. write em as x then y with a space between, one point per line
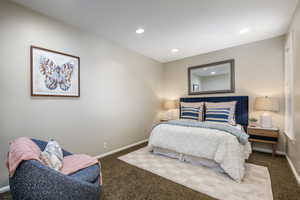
191 111
220 112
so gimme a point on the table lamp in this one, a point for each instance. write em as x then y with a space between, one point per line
168 106
266 104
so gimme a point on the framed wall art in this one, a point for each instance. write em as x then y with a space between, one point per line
54 73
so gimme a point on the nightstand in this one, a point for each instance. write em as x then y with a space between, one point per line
164 120
264 135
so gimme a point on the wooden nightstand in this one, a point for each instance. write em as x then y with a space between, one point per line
164 120
264 135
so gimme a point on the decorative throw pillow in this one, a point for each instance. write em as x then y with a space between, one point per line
192 111
220 112
52 156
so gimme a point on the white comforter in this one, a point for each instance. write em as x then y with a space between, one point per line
216 145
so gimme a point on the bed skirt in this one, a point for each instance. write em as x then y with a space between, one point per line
189 159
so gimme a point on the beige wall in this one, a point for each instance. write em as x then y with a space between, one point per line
259 72
119 88
294 147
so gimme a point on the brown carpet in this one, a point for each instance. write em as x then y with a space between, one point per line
126 182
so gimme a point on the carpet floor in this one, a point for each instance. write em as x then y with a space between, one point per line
126 182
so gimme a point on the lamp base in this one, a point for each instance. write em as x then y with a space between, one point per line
168 115
266 121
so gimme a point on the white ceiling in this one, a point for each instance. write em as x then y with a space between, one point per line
192 26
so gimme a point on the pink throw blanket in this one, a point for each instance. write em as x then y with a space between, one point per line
23 148
75 162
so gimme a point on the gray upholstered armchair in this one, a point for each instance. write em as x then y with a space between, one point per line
35 181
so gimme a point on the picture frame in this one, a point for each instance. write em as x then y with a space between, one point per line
54 73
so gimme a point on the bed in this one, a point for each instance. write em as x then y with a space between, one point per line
211 146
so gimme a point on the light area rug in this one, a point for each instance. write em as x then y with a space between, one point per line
255 185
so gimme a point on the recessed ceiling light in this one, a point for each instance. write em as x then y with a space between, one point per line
212 73
140 31
244 30
174 50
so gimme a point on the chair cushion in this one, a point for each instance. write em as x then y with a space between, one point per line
89 174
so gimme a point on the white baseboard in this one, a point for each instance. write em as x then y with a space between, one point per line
268 151
293 169
120 149
4 189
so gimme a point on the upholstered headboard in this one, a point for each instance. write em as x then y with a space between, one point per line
242 105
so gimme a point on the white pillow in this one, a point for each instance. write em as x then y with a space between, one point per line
52 156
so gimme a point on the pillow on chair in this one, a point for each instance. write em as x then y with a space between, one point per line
52 156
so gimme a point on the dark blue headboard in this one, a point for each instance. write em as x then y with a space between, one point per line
241 113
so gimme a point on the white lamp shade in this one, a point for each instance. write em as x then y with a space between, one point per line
266 104
169 104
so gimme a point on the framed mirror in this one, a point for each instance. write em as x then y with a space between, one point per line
212 78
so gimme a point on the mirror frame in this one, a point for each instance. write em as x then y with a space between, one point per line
232 76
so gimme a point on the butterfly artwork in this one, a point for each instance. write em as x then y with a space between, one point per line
54 73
